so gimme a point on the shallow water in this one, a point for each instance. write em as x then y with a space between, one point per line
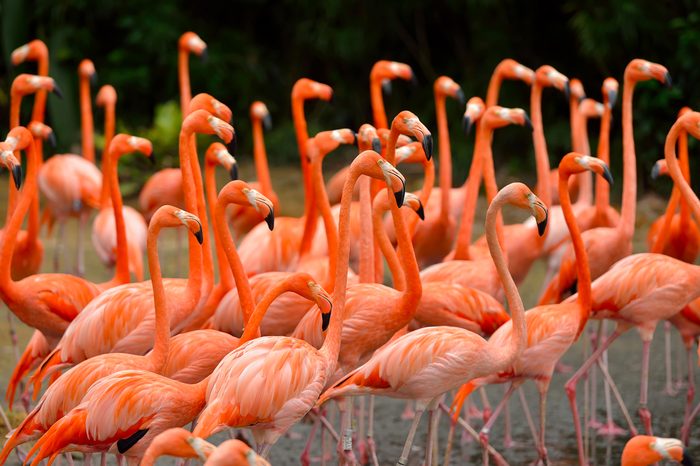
390 429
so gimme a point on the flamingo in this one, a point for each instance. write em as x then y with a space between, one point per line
107 415
181 443
243 220
104 236
645 450
552 329
130 305
399 369
661 285
37 51
265 251
607 245
480 272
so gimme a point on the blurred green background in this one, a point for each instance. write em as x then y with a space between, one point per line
257 49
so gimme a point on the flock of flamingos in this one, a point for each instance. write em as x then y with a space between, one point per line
301 321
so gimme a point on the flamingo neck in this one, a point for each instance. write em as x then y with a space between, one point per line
15 104
412 293
367 269
324 206
515 303
685 169
86 122
109 134
201 211
260 156
541 156
310 212
629 163
494 88
40 97
33 223
582 269
675 170
121 271
382 238
162 334
445 156
377 102
252 327
585 196
602 190
225 275
194 281
183 73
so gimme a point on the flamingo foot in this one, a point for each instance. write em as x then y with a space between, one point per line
610 430
408 412
474 412
595 424
645 417
670 390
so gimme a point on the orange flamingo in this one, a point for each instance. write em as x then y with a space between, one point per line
479 272
399 369
643 289
265 403
75 195
46 302
607 245
244 219
552 329
70 388
37 51
181 443
645 450
104 236
266 251
130 305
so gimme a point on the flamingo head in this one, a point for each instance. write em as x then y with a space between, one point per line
123 144
574 163
203 122
498 117
106 96
217 154
309 289
192 43
610 89
511 69
35 50
547 76
643 70
8 159
645 449
203 448
326 141
26 84
168 216
660 168
305 89
690 121
385 71
86 70
519 195
407 123
368 138
576 90
472 113
589 108
414 203
42 131
203 101
239 192
259 111
372 164
445 86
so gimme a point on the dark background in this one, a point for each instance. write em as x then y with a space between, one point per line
257 49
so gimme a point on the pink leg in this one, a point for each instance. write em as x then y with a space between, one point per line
370 433
690 394
570 387
305 457
345 452
669 389
610 429
431 429
644 413
507 438
484 434
500 461
541 449
80 253
408 411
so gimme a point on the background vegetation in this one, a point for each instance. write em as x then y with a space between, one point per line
258 48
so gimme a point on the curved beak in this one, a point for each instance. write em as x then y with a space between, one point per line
93 79
270 220
400 194
461 98
567 90
608 176
267 122
527 123
466 124
612 98
414 80
542 226
420 211
325 321
233 172
655 171
204 56
17 175
52 139
427 143
152 158
386 86
57 90
667 79
377 145
686 461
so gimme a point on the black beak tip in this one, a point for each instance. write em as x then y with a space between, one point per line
377 145
325 321
17 175
152 158
655 171
542 226
233 145
421 211
667 79
52 139
267 122
612 98
466 125
57 90
354 138
400 195
204 56
567 90
386 86
93 78
428 146
233 172
528 123
686 461
199 235
608 176
461 98
270 220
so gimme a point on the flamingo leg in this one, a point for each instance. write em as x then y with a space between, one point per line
610 428
690 396
80 253
541 448
669 389
432 418
618 397
644 413
345 452
474 434
570 387
305 457
592 381
507 438
103 459
403 459
370 432
58 246
484 434
528 415
685 430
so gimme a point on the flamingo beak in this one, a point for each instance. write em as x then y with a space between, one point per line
199 235
667 79
466 125
400 195
270 220
427 146
527 123
542 226
612 98
52 139
420 211
93 79
377 145
461 98
686 461
386 86
152 159
567 90
57 90
607 176
267 122
233 172
204 56
655 171
17 175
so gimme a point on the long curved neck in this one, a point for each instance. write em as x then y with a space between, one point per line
260 156
162 335
12 228
629 163
207 259
585 196
324 206
515 303
310 212
225 276
685 169
377 101
15 104
245 295
194 282
392 259
602 190
675 170
367 268
121 271
109 134
412 293
33 223
541 156
582 269
86 122
471 193
445 155
426 190
331 345
494 88
183 74
252 327
40 99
